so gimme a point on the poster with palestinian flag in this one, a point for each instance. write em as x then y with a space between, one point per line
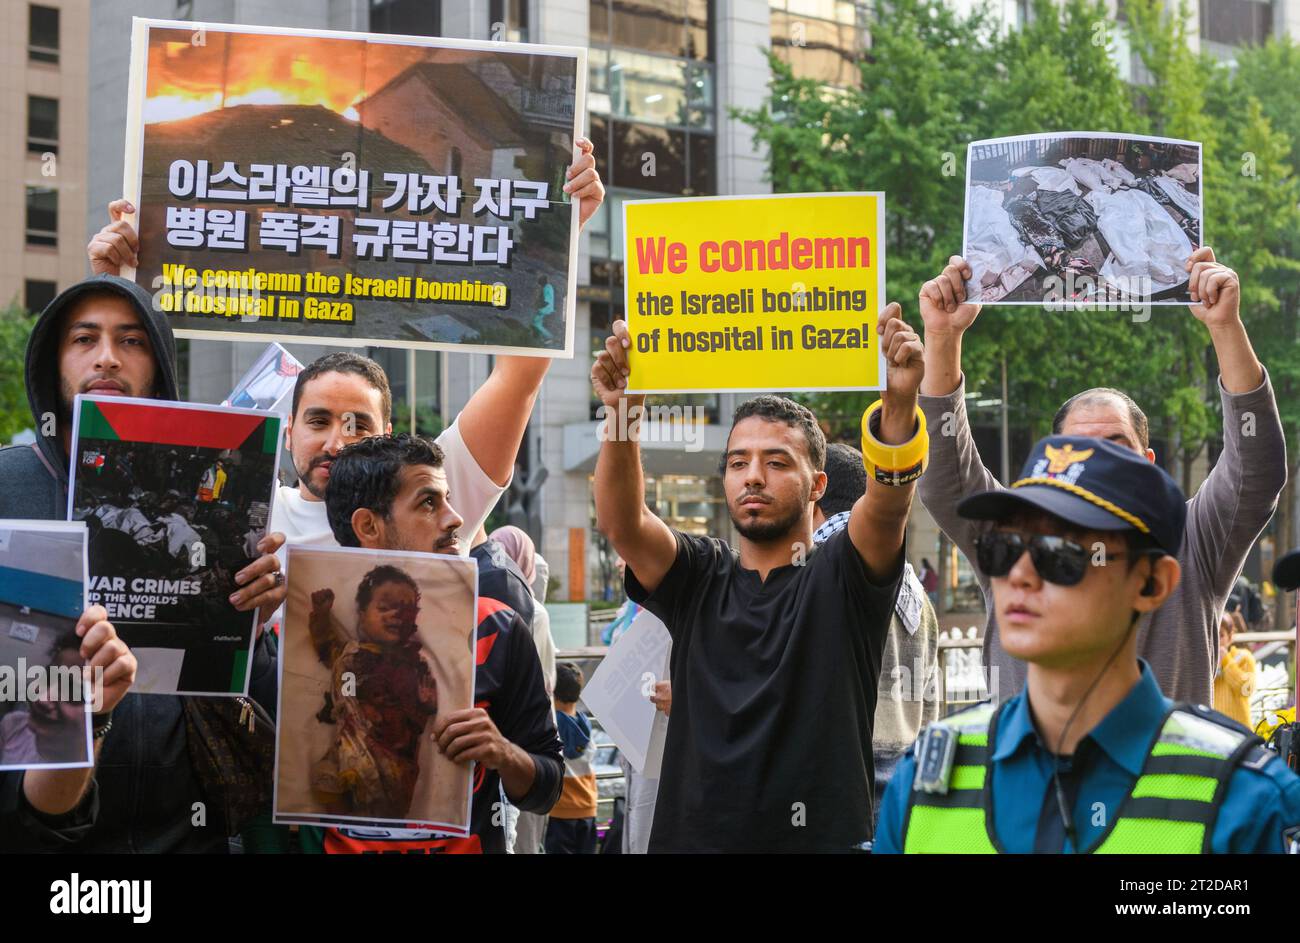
176 497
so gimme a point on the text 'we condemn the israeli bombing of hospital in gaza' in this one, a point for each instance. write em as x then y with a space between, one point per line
752 255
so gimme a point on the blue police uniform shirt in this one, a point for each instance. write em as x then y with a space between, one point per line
1259 805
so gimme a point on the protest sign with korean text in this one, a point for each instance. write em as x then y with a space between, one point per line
755 293
176 497
355 189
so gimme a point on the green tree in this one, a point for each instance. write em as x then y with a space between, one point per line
933 82
15 414
904 132
1261 103
1248 119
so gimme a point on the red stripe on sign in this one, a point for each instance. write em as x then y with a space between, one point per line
339 844
167 425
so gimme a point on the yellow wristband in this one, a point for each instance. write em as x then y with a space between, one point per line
894 464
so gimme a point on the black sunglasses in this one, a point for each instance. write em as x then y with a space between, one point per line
1056 559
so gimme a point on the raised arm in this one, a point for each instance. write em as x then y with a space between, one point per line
638 536
1239 495
1216 293
878 521
956 468
493 421
947 317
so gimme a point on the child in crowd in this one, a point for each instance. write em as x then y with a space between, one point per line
1234 682
572 826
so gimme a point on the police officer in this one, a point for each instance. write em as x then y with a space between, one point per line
1090 756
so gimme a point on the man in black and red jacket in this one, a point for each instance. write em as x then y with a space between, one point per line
390 493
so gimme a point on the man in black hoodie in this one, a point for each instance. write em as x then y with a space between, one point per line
103 335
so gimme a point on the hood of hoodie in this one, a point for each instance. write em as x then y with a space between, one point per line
42 367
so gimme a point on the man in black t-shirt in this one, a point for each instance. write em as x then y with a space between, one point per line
776 647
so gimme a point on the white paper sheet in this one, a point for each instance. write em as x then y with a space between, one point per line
618 693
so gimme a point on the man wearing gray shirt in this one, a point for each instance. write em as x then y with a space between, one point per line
1224 518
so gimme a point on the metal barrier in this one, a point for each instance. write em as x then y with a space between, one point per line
964 695
1266 698
972 683
956 697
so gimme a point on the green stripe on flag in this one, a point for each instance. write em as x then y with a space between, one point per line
270 435
238 671
94 425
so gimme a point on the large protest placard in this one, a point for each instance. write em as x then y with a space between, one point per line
755 293
1082 219
45 707
375 645
355 189
176 497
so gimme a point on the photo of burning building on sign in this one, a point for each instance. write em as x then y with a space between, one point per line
298 155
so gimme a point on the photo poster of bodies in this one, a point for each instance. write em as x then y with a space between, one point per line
755 293
375 646
355 189
1082 219
176 497
45 711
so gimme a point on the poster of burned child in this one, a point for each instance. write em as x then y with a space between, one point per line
355 189
375 646
1081 219
176 497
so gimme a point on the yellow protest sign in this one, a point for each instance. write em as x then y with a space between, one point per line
755 293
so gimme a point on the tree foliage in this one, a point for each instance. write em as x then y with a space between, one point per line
932 81
15 326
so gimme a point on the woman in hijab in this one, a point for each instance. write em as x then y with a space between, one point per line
530 828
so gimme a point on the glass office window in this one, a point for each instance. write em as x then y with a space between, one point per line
42 216
42 125
42 34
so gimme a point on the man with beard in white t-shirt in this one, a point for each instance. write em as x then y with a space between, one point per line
343 397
